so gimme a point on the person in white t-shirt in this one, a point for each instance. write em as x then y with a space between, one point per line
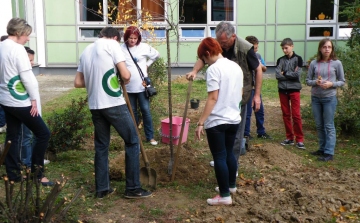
221 116
144 55
97 70
19 95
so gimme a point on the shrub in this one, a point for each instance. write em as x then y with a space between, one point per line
347 117
69 127
158 72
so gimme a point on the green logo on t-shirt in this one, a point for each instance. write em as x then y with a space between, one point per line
17 89
110 84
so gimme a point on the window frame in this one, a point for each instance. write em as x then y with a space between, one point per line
308 37
105 19
333 20
338 32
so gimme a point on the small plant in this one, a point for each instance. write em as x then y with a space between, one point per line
68 128
27 205
157 72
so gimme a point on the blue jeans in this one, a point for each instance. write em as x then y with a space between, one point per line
119 117
259 115
238 144
221 141
324 111
144 104
15 116
25 145
2 117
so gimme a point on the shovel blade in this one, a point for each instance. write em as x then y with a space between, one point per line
148 177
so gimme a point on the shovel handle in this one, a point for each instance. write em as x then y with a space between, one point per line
6 150
182 130
146 161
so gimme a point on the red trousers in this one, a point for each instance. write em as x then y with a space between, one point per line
290 107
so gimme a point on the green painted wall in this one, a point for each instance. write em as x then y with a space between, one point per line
269 56
61 33
60 12
295 32
271 11
245 12
188 52
291 11
59 53
258 31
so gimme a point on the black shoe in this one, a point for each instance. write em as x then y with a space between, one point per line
102 194
47 184
318 153
287 142
264 136
300 145
326 157
137 193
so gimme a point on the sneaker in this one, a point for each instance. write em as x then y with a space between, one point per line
137 193
326 157
318 153
248 137
287 142
153 142
46 162
264 136
102 194
217 200
3 129
232 190
300 145
212 163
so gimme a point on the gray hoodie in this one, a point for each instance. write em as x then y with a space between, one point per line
331 70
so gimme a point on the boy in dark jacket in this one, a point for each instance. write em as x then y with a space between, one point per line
288 71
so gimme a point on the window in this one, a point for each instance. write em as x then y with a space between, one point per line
321 11
193 32
156 33
342 5
90 32
344 32
91 10
321 31
205 11
30 14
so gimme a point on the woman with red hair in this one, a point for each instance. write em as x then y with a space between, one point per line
221 116
144 55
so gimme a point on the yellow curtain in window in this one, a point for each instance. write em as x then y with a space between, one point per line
126 12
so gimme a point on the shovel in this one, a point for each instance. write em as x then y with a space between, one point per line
147 175
4 152
182 130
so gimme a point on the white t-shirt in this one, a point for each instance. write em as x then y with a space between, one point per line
18 84
145 55
227 77
98 64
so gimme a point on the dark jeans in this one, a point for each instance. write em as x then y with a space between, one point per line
259 116
221 141
144 104
15 116
26 141
2 117
240 134
119 117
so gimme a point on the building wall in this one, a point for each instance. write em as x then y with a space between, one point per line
269 20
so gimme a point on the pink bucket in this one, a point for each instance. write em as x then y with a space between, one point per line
176 129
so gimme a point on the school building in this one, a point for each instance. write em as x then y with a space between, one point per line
62 29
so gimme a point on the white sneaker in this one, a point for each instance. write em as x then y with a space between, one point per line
232 190
237 173
154 143
3 129
217 200
212 163
46 162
